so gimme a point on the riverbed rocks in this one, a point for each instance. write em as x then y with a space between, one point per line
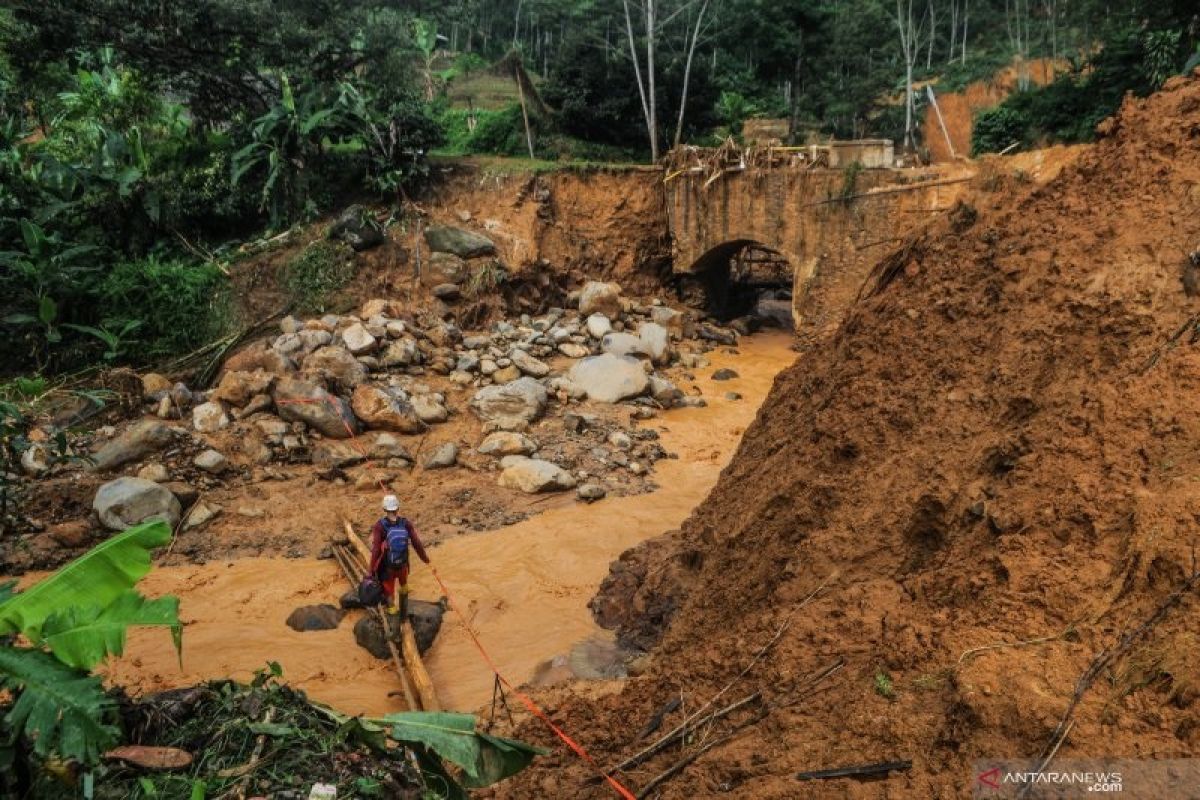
380 409
322 617
443 456
598 326
212 462
600 298
506 443
334 366
301 401
458 241
138 441
126 501
358 340
210 417
609 378
534 475
511 406
356 227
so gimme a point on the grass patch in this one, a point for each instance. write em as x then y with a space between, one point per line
883 685
315 275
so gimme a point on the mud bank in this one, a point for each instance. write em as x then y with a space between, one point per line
525 588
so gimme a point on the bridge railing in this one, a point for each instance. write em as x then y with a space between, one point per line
712 163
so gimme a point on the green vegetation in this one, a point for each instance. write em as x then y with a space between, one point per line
883 685
56 710
1068 109
72 621
140 142
314 274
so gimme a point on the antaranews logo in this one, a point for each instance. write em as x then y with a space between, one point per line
989 778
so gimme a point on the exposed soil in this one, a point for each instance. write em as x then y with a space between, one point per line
959 108
997 446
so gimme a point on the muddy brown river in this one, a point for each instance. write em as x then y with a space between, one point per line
525 587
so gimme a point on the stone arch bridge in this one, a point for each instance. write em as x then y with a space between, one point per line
796 228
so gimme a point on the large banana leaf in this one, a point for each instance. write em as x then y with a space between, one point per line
484 759
59 708
83 636
94 579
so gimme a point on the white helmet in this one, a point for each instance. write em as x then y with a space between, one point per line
391 503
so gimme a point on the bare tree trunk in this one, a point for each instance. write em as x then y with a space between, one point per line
637 74
932 36
524 111
517 24
687 72
794 116
966 14
909 41
651 32
953 29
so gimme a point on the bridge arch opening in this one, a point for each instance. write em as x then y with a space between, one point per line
739 278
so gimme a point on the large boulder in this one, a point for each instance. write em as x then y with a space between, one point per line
323 617
775 310
426 619
127 501
429 409
260 356
608 378
383 446
210 417
381 410
533 475
401 353
512 405
669 318
443 456
337 455
621 344
655 342
458 241
598 326
236 388
445 268
597 297
358 340
137 442
336 367
299 400
356 227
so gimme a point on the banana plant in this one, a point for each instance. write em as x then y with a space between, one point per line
68 624
45 267
288 140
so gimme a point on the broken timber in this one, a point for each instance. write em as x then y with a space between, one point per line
354 558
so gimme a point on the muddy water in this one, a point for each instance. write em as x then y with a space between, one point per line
524 588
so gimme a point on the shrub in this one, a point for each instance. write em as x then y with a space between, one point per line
316 273
178 305
997 128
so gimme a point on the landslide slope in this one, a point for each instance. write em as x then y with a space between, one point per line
1000 444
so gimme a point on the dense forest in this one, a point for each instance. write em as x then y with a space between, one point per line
138 140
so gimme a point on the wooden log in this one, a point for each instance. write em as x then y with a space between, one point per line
416 668
360 547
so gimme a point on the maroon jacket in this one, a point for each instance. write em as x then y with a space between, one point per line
379 544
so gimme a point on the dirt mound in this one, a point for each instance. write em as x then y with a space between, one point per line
998 447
